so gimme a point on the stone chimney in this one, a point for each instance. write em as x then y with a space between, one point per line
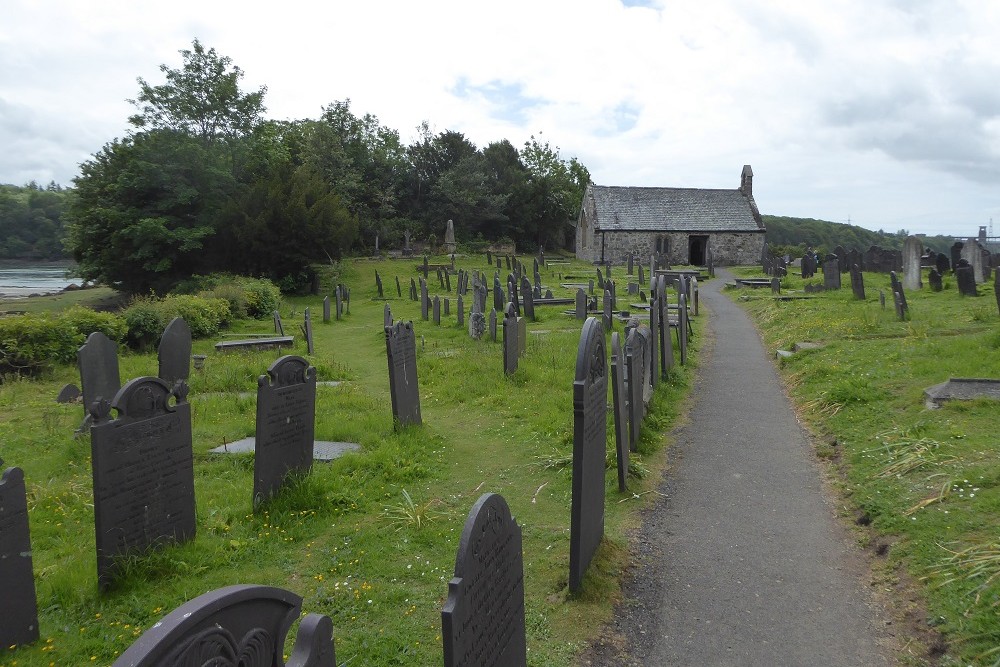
746 181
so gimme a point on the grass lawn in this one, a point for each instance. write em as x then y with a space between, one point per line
925 482
369 539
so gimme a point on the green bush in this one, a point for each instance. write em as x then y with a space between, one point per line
145 320
262 297
205 316
33 342
86 321
234 295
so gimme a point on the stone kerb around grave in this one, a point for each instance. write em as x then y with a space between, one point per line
482 621
242 624
590 416
143 472
286 425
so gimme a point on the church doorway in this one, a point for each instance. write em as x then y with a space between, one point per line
696 249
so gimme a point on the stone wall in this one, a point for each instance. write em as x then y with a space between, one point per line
729 248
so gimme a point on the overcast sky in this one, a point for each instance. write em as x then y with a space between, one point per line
882 113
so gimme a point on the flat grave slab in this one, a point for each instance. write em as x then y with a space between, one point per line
255 344
323 450
961 389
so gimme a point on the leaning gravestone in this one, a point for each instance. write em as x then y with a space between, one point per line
143 472
279 328
174 352
19 611
286 424
99 377
857 283
619 403
401 350
511 346
482 622
237 625
897 288
590 416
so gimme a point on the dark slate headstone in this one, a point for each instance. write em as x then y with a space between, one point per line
934 279
964 275
286 424
447 281
489 258
607 316
831 272
461 311
897 288
590 416
630 262
841 254
956 254
581 305
399 288
511 346
236 625
857 283
307 330
68 394
493 325
528 299
279 328
425 302
19 611
326 308
654 347
401 350
413 290
942 263
482 622
426 268
619 402
143 470
498 301
378 286
99 378
522 336
642 277
682 329
437 309
339 304
386 316
775 286
174 352
635 360
900 309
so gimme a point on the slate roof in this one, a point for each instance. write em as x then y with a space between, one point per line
622 208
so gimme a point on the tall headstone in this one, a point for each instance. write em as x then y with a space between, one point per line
964 276
399 288
682 328
635 361
511 346
493 324
174 352
973 254
831 272
279 328
654 347
620 407
449 237
461 311
339 305
631 264
912 251
581 304
437 309
401 352
99 377
425 302
307 331
642 277
482 621
608 316
956 253
286 425
413 290
590 415
498 300
857 283
143 473
528 299
19 611
378 286
387 316
897 288
934 280
326 309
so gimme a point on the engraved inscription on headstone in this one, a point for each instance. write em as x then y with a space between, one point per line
401 350
286 423
620 410
590 415
19 611
482 622
143 473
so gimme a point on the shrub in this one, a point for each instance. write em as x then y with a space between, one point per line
262 297
33 342
86 321
234 295
204 315
145 321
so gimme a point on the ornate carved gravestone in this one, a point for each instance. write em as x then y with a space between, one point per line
511 346
19 611
99 377
286 423
242 625
174 352
857 283
143 472
482 622
401 351
590 416
620 406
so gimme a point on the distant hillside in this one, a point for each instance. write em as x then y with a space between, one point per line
793 235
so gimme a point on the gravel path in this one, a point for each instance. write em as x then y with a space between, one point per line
742 561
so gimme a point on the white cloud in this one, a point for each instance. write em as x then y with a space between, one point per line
844 108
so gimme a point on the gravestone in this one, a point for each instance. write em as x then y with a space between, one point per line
635 362
528 299
237 625
413 290
642 277
897 299
326 308
630 261
461 311
934 279
857 283
654 346
956 254
477 325
694 294
831 272
440 277
942 264
841 253
447 281
19 611
775 286
307 331
493 325
378 286
339 304
401 351
482 621
449 237
386 316
407 251
511 346
912 250
974 255
426 268
97 360
682 328
399 288
600 279
68 394
279 328
286 425
607 315
143 472
489 258
174 352
590 415
897 288
963 275
581 304
996 287
619 402
881 298
498 302
437 310
425 301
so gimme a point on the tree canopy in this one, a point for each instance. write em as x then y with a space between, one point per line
32 224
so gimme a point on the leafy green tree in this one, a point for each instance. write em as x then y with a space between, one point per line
32 224
555 192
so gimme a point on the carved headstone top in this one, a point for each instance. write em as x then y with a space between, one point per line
99 376
482 622
174 352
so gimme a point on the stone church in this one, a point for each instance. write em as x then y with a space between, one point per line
680 223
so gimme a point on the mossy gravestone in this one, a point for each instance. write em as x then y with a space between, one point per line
19 611
143 472
238 625
286 425
401 350
482 622
590 417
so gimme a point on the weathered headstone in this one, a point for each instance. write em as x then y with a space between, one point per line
437 309
413 290
286 425
426 268
482 621
831 272
775 285
307 331
654 347
68 394
619 402
581 304
528 299
964 276
99 377
857 283
401 351
934 280
378 286
174 352
590 415
387 316
498 300
956 253
897 299
279 328
694 294
942 263
399 288
881 298
143 473
477 325
897 288
642 277
511 346
493 325
912 250
326 308
682 328
339 305
461 311
236 625
607 316
425 302
19 611
635 361
974 255
449 237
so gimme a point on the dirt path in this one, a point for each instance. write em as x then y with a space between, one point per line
742 561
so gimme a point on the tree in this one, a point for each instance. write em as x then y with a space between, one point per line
556 189
202 99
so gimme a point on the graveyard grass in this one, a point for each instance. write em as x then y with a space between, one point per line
368 539
922 485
